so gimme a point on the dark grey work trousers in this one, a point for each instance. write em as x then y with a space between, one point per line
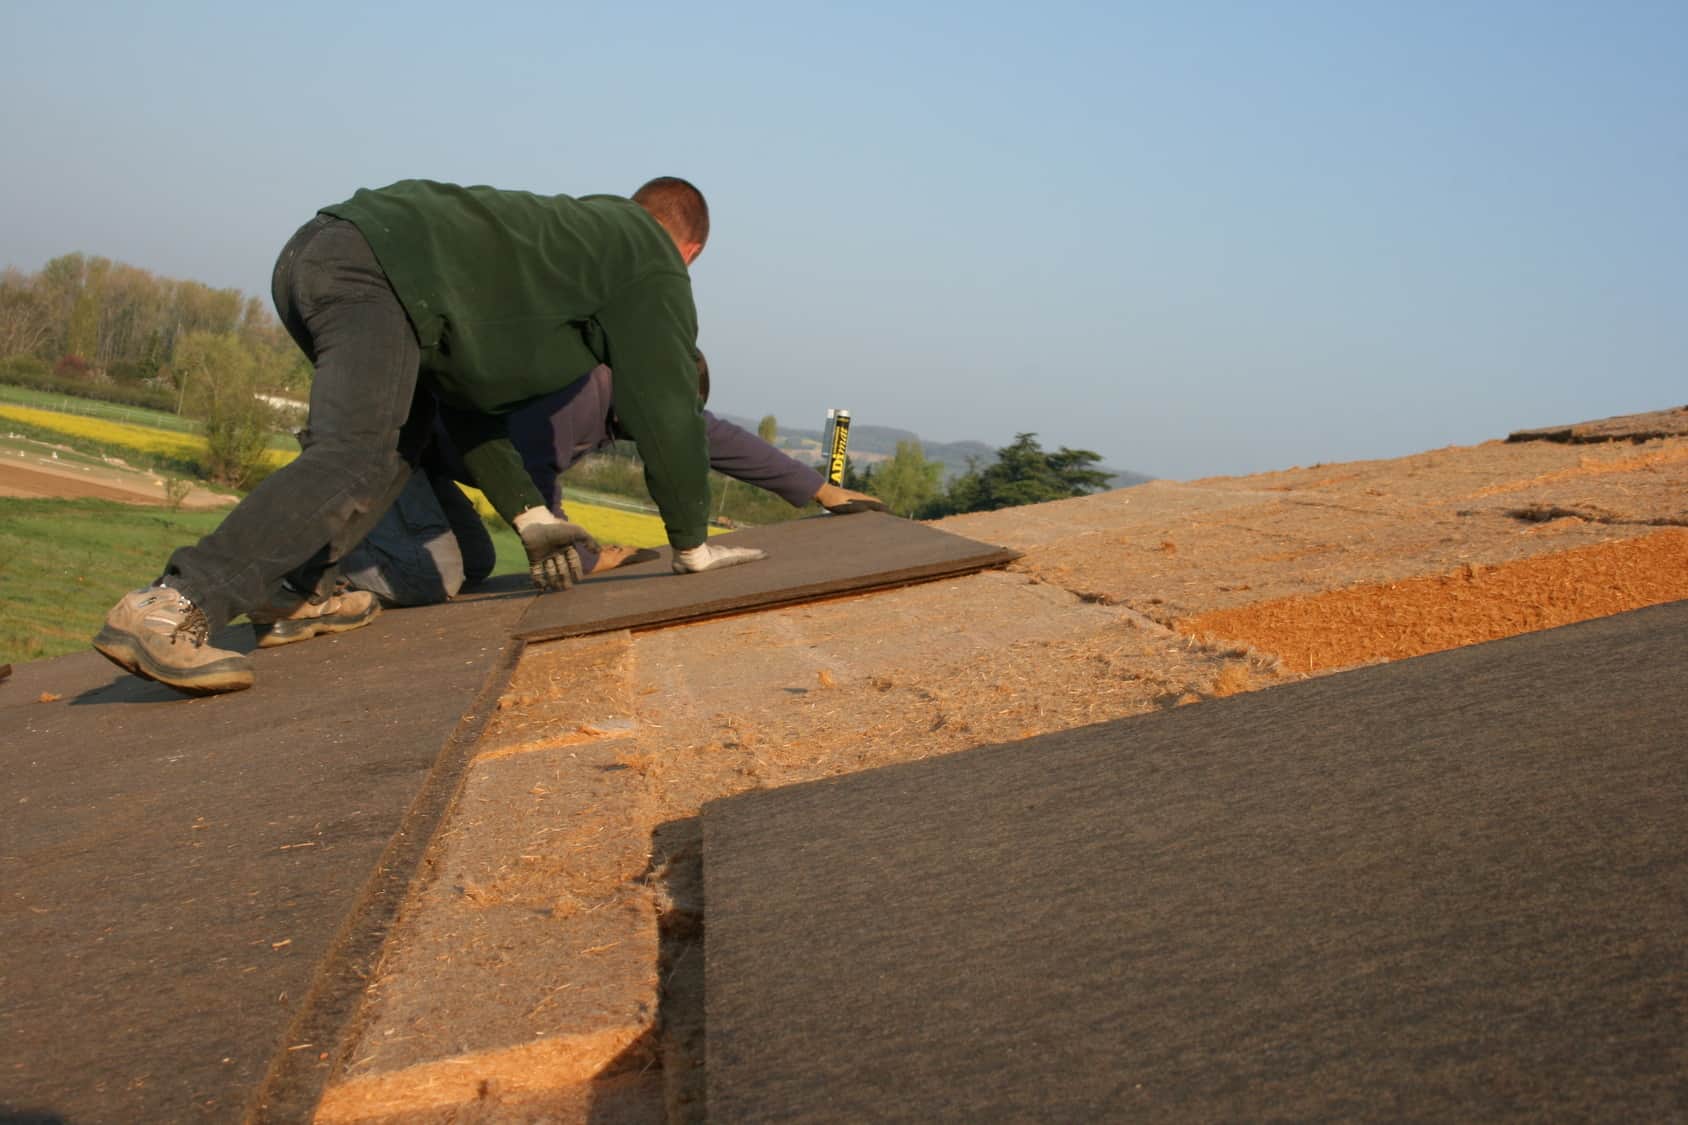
365 431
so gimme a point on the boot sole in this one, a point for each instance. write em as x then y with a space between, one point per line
289 632
210 679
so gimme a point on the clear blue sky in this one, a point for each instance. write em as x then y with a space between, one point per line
1198 238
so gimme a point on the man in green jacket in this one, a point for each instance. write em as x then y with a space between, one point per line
475 292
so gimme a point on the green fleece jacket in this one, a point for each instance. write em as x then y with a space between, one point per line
512 295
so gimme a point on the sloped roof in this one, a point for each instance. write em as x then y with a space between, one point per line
1447 888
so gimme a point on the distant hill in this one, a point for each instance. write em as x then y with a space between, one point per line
870 443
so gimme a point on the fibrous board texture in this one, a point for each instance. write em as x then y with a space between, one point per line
191 884
1626 427
1450 888
821 557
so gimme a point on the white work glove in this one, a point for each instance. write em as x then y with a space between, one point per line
550 542
707 556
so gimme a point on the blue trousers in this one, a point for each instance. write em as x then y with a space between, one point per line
427 547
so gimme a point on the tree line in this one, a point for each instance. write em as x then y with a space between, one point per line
1023 473
95 324
89 326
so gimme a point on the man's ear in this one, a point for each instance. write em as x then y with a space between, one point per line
689 251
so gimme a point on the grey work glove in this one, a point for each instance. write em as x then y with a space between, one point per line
707 556
551 544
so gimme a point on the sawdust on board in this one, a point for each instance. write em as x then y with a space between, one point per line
1396 620
1590 466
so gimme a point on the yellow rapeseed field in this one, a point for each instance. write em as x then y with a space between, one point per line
125 435
609 525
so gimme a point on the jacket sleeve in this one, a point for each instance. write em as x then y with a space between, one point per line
742 455
651 335
483 443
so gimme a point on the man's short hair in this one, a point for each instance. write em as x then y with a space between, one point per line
678 206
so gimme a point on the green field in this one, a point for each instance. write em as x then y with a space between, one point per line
64 563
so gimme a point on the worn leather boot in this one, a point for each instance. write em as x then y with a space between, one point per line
158 634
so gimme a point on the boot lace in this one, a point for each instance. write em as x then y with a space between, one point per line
193 625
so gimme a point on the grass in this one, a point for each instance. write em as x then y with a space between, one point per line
64 563
95 408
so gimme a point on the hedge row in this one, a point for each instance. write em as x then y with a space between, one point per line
27 371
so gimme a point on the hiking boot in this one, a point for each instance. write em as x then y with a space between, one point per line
158 634
285 621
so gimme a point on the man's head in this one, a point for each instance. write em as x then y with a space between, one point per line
681 210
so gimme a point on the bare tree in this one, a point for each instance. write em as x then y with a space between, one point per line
25 319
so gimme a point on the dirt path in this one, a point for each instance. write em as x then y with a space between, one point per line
44 478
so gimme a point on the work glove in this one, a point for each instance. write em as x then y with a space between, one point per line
551 544
857 504
845 502
707 556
